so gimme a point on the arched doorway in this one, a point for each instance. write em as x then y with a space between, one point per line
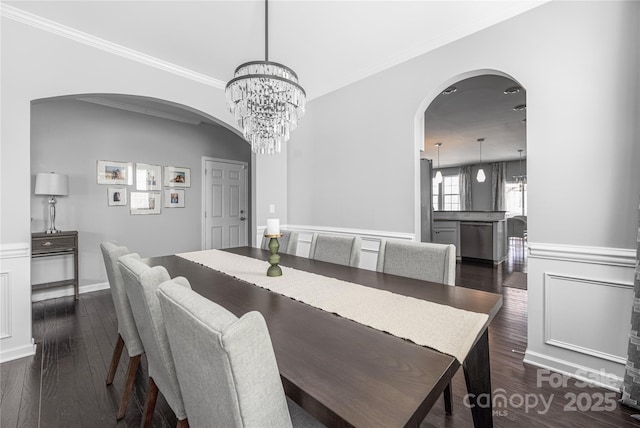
71 134
489 106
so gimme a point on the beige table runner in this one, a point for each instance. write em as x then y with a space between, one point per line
449 330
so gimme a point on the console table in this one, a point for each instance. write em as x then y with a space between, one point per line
57 244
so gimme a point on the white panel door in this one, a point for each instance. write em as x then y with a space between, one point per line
225 205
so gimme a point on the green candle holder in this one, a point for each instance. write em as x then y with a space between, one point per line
274 258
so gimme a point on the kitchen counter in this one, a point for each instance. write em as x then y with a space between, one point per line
477 235
470 215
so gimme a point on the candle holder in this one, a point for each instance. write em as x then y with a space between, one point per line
274 258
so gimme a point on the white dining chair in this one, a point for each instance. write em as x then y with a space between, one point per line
141 282
339 249
127 331
426 261
288 242
226 366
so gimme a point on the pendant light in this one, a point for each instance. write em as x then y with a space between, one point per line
266 100
522 178
438 178
480 177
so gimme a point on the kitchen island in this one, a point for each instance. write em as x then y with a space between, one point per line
477 235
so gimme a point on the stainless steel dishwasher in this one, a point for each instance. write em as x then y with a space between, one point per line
476 240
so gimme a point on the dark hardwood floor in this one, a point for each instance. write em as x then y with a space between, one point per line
63 385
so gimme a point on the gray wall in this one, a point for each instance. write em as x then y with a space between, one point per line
69 136
363 137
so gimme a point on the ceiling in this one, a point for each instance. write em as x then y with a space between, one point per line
330 43
479 108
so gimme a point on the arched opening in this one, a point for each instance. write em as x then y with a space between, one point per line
76 134
476 122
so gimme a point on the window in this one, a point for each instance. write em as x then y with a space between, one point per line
514 199
446 195
451 193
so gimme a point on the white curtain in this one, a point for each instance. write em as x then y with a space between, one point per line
498 172
465 188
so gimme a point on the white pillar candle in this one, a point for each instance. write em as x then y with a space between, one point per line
273 226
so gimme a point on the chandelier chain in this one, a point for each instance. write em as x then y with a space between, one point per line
266 100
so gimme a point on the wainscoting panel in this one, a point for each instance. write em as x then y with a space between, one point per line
587 301
5 305
15 301
579 310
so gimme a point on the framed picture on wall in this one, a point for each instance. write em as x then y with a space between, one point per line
116 196
174 198
175 176
148 177
145 203
114 172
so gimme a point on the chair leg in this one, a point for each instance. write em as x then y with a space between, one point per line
448 407
149 405
134 362
183 423
115 359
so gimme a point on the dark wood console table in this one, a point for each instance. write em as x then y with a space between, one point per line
57 244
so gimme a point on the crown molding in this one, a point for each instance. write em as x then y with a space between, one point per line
56 28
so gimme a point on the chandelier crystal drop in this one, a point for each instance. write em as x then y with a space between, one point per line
266 101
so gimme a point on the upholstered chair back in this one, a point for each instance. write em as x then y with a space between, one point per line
141 283
226 366
419 260
516 227
288 242
342 250
126 322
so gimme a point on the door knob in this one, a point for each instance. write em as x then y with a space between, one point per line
243 218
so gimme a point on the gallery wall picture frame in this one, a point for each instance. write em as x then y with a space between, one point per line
117 196
114 172
176 176
141 203
173 198
148 177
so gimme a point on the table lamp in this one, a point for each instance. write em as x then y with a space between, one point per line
52 184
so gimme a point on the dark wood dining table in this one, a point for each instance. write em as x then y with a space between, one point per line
345 373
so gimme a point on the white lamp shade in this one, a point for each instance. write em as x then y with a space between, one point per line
438 178
481 177
50 183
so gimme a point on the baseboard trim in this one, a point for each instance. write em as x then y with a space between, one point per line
21 352
582 254
55 293
585 374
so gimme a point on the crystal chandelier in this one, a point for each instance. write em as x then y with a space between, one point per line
266 100
522 178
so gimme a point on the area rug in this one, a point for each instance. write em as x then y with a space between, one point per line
516 280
